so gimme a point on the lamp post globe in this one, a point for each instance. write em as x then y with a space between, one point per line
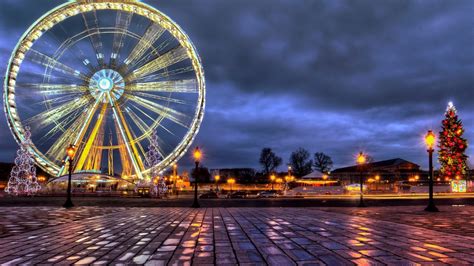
272 180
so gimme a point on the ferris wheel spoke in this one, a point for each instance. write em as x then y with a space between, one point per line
162 46
55 114
127 138
169 113
91 24
137 143
56 150
152 119
170 58
122 22
179 86
74 132
165 74
52 63
67 44
59 100
152 33
54 89
60 126
144 128
157 97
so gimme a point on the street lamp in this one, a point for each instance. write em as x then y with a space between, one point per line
361 159
230 181
70 151
279 181
430 140
197 157
377 180
288 178
272 179
216 178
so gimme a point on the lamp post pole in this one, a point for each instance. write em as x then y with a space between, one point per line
71 150
361 161
272 180
216 178
430 139
197 156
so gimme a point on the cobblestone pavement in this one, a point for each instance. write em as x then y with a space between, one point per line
22 219
227 236
456 219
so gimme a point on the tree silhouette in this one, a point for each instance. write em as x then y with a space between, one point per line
322 162
300 162
269 161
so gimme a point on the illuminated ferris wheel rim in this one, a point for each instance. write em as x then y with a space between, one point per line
72 8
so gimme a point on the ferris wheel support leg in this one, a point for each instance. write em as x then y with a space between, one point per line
131 149
90 141
83 130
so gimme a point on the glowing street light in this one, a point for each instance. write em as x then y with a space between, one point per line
70 151
217 178
230 181
325 178
430 140
197 158
361 159
272 179
377 180
279 181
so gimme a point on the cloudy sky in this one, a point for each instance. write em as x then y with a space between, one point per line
331 76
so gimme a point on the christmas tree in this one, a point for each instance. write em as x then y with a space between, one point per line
452 146
153 157
23 179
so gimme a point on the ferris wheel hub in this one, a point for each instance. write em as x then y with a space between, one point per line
106 84
107 81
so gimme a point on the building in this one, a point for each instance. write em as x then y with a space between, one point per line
387 171
316 178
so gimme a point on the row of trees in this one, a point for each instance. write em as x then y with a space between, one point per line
300 162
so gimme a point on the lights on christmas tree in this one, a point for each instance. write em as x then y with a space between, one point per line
23 179
452 146
153 157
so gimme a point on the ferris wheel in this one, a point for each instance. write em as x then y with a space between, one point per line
105 76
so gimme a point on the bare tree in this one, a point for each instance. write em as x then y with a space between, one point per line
322 162
300 162
269 161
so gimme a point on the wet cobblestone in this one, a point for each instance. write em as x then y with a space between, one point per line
226 236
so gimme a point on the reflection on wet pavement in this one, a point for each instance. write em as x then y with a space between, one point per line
257 236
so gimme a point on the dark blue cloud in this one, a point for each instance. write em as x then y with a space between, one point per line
331 76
